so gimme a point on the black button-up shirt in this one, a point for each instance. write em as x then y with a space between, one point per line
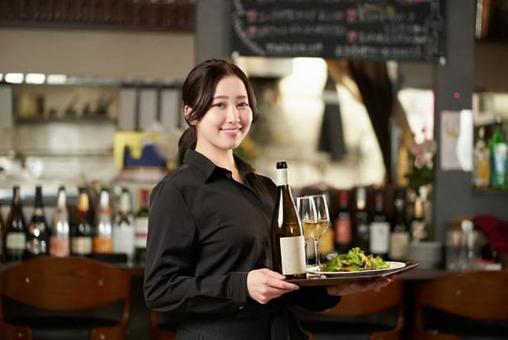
206 232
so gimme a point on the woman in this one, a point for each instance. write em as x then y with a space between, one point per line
209 254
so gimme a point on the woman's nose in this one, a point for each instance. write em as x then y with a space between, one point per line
233 115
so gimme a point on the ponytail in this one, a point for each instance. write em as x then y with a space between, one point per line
186 142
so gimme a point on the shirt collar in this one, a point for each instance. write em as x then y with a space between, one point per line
207 168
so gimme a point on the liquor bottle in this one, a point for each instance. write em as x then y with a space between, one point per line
342 224
481 174
142 225
82 236
419 230
15 229
59 244
123 230
288 244
379 230
498 156
37 237
103 239
399 237
361 220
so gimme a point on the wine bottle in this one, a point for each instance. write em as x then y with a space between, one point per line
481 173
103 239
379 230
288 244
59 245
361 219
399 237
419 230
142 225
123 230
342 224
37 238
498 155
81 240
15 229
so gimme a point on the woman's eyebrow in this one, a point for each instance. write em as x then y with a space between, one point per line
226 97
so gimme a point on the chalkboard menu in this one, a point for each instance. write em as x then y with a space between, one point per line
354 29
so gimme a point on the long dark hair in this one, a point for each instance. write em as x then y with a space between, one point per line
197 93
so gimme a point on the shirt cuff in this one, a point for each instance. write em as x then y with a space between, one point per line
237 289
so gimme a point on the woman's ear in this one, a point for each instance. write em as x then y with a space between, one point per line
187 111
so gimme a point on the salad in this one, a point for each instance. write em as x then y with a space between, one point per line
354 260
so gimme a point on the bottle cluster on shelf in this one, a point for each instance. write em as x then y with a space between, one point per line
99 225
381 221
490 157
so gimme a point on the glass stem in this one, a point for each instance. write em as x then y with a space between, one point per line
316 252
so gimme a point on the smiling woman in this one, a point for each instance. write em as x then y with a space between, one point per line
209 260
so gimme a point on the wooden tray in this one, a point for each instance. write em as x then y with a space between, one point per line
344 277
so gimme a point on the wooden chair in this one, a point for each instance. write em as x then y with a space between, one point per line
478 296
65 285
370 302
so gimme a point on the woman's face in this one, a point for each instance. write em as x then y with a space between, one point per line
228 120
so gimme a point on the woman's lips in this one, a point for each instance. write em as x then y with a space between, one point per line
231 132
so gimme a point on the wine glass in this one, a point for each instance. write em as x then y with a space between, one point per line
322 223
308 215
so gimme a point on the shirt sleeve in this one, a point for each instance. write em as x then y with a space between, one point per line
170 283
314 298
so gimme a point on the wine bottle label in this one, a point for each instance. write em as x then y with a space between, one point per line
103 245
343 231
499 164
82 245
398 245
15 241
59 246
292 251
123 240
36 246
141 232
379 237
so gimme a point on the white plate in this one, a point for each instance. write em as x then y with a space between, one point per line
392 266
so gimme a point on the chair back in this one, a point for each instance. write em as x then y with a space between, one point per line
478 295
481 295
370 301
66 284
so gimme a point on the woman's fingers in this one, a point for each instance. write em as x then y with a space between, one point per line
264 285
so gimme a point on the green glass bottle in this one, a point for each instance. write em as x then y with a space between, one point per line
498 157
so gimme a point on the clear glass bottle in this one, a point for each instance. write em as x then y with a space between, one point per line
60 226
481 174
124 229
103 239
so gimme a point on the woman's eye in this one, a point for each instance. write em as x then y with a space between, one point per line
220 105
243 105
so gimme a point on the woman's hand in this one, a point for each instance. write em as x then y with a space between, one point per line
264 285
358 286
